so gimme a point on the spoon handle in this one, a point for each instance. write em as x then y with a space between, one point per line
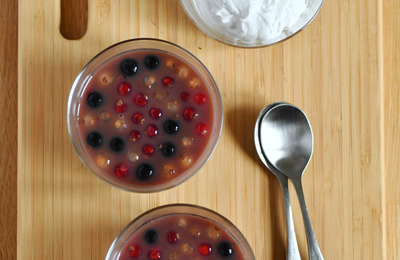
292 251
314 253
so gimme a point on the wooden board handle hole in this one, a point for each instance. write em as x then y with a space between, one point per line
74 19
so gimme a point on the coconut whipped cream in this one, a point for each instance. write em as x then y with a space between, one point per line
251 20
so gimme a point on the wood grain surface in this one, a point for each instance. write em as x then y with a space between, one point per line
342 71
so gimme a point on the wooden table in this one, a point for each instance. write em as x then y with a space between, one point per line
342 70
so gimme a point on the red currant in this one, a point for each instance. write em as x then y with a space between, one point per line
140 100
134 136
202 129
152 130
148 149
124 88
200 98
154 254
167 82
189 113
185 96
205 249
136 118
121 170
172 237
135 251
120 108
155 113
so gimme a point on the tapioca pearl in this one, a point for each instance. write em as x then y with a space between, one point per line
149 80
129 67
173 256
155 113
196 231
190 114
186 160
124 88
90 120
185 96
160 93
182 72
151 62
169 169
155 254
94 139
151 130
200 98
144 172
194 83
187 141
121 106
168 149
121 170
173 237
106 79
117 144
94 99
168 82
105 115
172 106
187 248
182 223
120 124
202 129
171 127
148 149
134 136
103 160
205 249
135 251
212 232
226 249
170 64
151 236
133 156
140 100
136 118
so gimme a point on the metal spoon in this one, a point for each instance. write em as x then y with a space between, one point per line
292 250
287 143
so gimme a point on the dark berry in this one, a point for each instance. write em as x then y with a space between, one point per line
185 96
168 82
189 113
172 237
155 113
129 67
94 139
200 98
136 118
135 251
152 130
205 249
124 88
144 172
171 127
94 99
151 62
225 249
140 100
121 170
117 144
151 236
148 149
154 254
168 149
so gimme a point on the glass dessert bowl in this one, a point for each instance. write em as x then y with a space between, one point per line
180 231
144 115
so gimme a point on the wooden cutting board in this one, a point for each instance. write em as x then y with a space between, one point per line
335 70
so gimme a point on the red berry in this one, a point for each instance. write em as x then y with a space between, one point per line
167 82
155 113
154 254
124 88
172 237
185 96
151 130
134 136
121 170
136 118
189 113
120 108
200 98
205 249
135 251
140 100
148 149
202 129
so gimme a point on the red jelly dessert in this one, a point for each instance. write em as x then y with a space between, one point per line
180 232
159 115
